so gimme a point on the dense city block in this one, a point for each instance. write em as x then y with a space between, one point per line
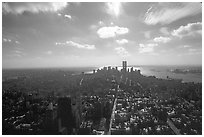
106 102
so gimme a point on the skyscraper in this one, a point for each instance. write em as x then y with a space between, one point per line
65 113
124 66
50 123
131 70
76 109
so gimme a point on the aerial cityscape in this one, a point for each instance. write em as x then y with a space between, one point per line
101 68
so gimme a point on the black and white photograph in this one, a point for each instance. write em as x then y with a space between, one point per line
101 68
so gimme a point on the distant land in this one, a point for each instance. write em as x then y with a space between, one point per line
189 73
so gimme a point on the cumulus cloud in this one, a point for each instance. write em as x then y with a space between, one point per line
17 42
165 13
33 7
59 14
65 15
74 44
122 41
101 23
6 40
11 38
68 16
83 46
107 32
164 30
60 43
122 52
147 48
162 39
113 8
190 29
10 41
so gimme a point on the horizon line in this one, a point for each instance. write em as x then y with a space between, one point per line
58 67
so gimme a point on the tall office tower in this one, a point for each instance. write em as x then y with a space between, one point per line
65 113
109 68
76 109
131 70
125 66
50 123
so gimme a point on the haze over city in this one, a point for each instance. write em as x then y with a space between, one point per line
101 68
98 34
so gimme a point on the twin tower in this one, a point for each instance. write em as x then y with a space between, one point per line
124 66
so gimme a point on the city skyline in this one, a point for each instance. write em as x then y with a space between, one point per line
100 34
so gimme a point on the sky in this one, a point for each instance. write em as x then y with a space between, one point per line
98 34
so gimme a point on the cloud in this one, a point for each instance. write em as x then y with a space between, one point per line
192 51
122 41
17 53
74 44
113 8
147 48
33 7
68 16
162 39
107 32
59 14
190 29
6 40
65 15
17 42
60 44
49 52
83 46
10 41
186 46
14 55
165 13
122 52
101 23
164 30
147 34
